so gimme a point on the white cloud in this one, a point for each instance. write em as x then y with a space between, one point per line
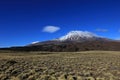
51 29
101 30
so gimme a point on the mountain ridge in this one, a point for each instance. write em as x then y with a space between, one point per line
72 42
74 36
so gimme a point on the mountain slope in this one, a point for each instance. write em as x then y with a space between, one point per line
73 37
71 46
73 41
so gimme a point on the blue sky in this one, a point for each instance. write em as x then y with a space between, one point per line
24 21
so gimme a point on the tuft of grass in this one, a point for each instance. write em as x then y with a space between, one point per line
89 65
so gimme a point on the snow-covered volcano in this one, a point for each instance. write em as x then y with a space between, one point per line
73 36
72 41
78 36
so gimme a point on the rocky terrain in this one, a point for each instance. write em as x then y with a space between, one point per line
90 65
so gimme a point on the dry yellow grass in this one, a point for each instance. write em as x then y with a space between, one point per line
89 65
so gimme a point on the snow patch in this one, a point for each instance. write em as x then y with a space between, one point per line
77 35
35 42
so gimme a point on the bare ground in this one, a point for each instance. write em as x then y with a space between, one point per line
90 65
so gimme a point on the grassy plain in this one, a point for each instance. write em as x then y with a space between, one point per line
88 65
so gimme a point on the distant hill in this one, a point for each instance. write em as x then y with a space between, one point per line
73 41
